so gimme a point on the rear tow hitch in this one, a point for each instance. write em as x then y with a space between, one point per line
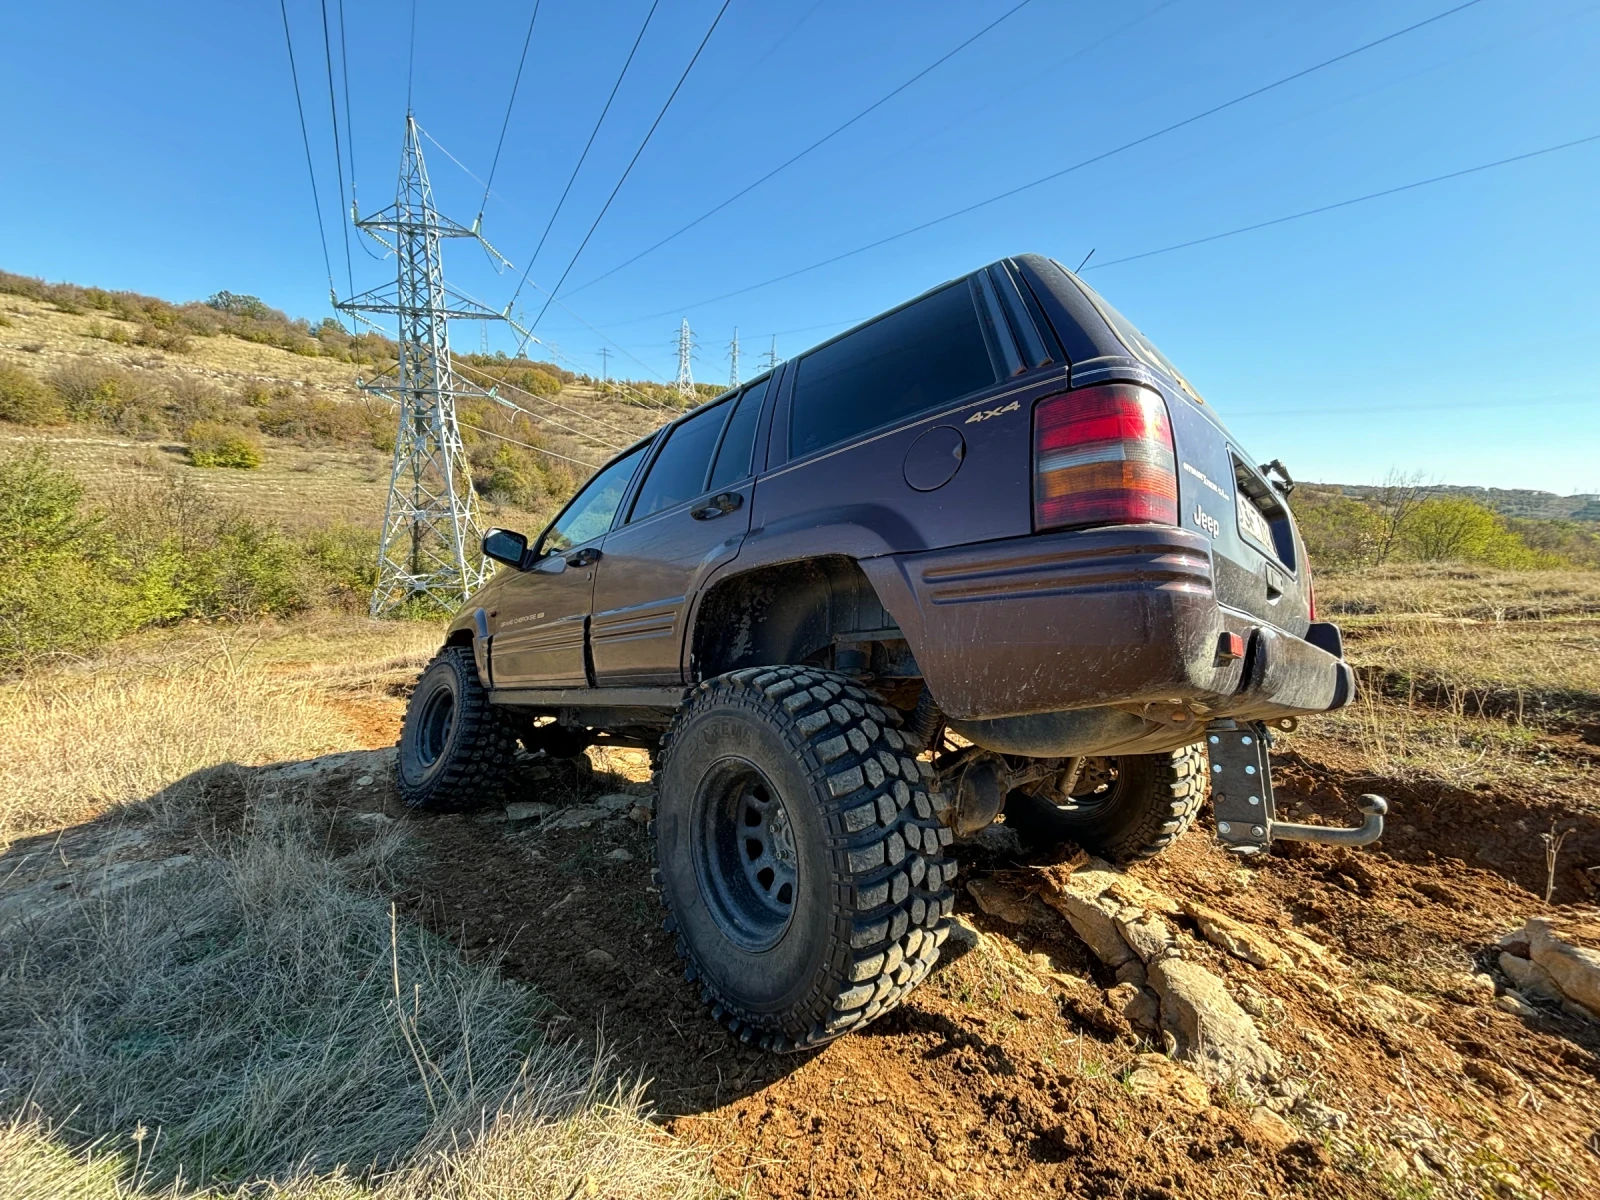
1241 796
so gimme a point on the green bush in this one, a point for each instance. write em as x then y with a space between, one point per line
1455 529
73 576
211 444
27 401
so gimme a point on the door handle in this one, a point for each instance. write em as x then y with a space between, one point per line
586 557
719 505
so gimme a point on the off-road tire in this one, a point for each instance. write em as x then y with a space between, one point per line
463 765
870 897
1154 799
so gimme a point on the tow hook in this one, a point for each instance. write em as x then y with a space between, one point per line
1242 802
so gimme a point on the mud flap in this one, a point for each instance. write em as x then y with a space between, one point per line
1242 801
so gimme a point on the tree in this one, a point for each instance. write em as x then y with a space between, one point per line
1398 496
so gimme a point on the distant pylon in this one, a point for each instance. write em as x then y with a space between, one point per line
605 363
733 359
771 355
685 376
430 545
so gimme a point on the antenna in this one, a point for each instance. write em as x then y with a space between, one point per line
685 352
430 546
733 359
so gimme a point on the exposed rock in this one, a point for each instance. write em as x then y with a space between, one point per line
1080 897
621 854
1574 968
1008 904
1529 977
1237 938
1213 1032
1306 952
598 958
998 840
616 804
528 810
1514 1004
1138 1005
1146 934
1154 1076
364 781
1270 1130
1318 1117
963 935
641 814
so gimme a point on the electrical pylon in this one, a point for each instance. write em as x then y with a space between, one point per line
430 546
605 364
733 359
772 355
685 376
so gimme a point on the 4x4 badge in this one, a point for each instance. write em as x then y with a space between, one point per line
985 414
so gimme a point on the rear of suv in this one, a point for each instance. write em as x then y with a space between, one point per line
985 556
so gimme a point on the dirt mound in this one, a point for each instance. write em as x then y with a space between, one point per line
1394 1056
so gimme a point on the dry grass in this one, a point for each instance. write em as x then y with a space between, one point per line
1406 592
158 709
254 1017
248 1018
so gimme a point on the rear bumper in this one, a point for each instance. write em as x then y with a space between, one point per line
1119 617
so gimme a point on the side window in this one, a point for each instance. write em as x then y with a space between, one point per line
733 459
588 515
910 362
679 472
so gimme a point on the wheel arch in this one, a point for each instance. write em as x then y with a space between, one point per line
785 612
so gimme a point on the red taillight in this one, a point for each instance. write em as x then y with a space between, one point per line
1311 591
1103 456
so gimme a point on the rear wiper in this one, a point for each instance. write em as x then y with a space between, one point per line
1276 467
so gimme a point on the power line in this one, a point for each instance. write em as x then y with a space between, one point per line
515 83
502 383
571 179
1311 212
349 127
787 163
338 155
525 445
305 139
604 208
1043 179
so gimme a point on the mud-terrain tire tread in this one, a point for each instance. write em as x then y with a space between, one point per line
879 951
483 743
1168 805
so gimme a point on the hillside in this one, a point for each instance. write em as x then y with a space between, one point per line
324 442
1527 503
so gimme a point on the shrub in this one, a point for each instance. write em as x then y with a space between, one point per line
27 401
1340 533
118 399
212 444
1455 529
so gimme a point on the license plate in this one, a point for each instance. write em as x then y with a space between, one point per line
1253 522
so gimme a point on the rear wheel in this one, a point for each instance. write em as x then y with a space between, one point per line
455 747
801 855
1123 808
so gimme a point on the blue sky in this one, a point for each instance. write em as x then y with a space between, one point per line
1450 330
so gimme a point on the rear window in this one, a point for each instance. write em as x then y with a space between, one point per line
1130 336
912 361
733 460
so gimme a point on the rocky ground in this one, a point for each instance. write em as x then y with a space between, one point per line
1408 1020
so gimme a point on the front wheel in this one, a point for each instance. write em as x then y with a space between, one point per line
800 854
1124 808
455 747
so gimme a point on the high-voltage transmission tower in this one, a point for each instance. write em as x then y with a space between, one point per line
430 547
733 359
685 375
772 355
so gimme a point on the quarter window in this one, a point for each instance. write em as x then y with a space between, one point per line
909 362
589 514
679 472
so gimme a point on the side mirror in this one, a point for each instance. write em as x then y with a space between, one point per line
507 546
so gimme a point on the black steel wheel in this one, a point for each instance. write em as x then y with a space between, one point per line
799 853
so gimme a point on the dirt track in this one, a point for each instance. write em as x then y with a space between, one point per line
1009 1074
